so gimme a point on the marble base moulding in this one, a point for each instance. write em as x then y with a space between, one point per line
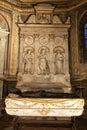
62 107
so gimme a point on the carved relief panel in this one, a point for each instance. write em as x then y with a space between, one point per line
43 56
28 55
43 49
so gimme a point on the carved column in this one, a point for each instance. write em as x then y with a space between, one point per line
14 46
36 37
51 42
3 39
67 54
22 36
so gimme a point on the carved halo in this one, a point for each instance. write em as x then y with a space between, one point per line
29 48
58 48
43 48
26 49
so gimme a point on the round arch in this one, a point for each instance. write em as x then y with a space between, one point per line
3 22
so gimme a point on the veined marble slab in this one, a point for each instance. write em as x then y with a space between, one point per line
65 107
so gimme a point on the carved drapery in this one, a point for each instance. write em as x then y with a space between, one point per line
41 50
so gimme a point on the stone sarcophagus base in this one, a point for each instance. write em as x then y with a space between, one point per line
45 110
48 107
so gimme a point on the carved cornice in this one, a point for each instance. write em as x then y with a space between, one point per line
59 3
27 5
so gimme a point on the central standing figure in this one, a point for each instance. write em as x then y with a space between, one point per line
43 65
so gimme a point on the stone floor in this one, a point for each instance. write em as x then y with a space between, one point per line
6 123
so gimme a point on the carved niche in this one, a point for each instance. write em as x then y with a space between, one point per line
43 57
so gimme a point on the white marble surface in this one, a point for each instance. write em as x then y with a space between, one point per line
44 107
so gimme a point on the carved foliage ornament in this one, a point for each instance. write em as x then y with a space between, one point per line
43 40
29 40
